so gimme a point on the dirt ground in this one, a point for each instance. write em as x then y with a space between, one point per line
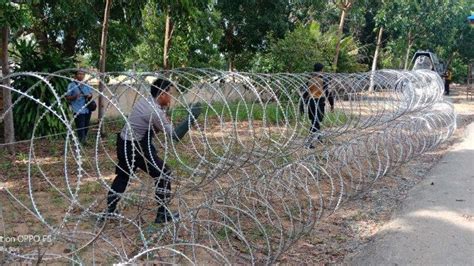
356 222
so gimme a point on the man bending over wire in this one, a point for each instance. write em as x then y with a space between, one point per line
136 142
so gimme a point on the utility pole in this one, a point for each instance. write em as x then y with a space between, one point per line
103 58
374 62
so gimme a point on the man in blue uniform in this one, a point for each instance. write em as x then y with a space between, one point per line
78 94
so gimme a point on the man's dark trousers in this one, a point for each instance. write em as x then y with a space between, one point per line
82 125
316 112
446 87
145 159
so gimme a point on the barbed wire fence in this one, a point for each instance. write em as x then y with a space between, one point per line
244 182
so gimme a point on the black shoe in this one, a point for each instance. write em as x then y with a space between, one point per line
310 146
165 217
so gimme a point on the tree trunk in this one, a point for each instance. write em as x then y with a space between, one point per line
410 44
339 37
38 28
167 40
103 56
450 60
9 130
70 42
374 62
231 62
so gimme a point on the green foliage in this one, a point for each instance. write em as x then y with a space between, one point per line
306 45
13 14
28 113
119 41
203 35
459 70
247 23
193 43
392 55
335 119
264 35
74 28
439 26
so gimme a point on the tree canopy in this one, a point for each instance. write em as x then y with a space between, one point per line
259 35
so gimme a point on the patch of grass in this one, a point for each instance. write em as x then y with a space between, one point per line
359 216
24 198
178 114
132 199
241 111
22 156
53 149
57 200
5 165
149 231
220 150
257 233
223 233
282 160
110 141
335 118
279 114
341 238
55 197
51 220
175 163
90 187
88 199
35 170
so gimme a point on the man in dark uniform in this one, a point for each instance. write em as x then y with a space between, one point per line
448 76
135 142
314 98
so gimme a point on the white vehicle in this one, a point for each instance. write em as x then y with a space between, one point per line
428 60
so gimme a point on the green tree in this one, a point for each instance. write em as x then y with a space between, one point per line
439 26
246 25
12 16
176 12
75 28
345 6
195 34
454 30
28 113
301 48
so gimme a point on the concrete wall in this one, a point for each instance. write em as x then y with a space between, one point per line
126 95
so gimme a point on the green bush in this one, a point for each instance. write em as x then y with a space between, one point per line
306 45
26 112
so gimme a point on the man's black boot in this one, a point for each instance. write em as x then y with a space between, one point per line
111 212
164 216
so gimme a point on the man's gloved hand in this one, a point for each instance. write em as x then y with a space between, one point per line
183 127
